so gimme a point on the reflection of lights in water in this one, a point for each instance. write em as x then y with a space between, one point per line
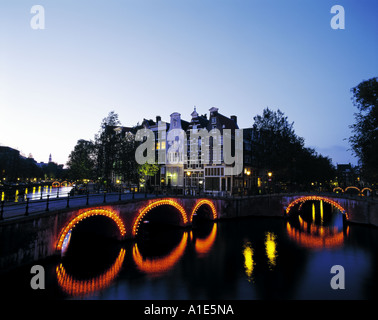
203 246
316 236
271 248
82 287
321 212
248 260
2 196
156 266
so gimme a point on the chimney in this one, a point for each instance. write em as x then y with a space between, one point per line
235 119
158 118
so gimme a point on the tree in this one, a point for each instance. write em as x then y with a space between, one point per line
107 144
81 161
275 144
126 165
277 148
364 139
145 170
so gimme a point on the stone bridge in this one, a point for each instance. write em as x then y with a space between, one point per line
33 237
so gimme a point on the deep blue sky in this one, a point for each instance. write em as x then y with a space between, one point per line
143 58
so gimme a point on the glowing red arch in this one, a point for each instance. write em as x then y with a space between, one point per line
362 191
199 204
86 214
153 205
316 198
56 184
352 187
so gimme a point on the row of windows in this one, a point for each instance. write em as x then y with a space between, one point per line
216 171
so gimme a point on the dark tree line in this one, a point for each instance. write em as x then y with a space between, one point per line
15 168
277 148
364 139
109 156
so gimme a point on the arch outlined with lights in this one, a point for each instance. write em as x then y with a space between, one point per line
65 184
56 184
352 188
154 204
316 198
106 212
202 202
366 189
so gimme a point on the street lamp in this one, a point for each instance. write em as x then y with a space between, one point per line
188 173
270 174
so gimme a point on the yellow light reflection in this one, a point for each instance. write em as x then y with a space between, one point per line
313 212
271 248
157 266
321 211
76 287
248 260
203 246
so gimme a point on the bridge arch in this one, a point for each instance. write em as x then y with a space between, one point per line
316 198
154 204
56 184
200 203
86 214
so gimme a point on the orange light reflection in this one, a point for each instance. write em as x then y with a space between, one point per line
203 246
157 266
76 287
315 236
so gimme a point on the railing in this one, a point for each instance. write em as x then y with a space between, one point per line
26 207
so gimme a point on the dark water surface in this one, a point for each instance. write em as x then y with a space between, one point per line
249 258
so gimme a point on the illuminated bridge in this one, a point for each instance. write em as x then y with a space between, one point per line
35 236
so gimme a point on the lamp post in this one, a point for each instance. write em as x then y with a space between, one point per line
270 174
188 173
248 180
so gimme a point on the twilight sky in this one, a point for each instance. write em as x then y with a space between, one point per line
143 58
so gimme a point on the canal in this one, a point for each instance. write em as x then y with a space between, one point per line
248 258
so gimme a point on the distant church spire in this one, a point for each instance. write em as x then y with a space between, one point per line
50 159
